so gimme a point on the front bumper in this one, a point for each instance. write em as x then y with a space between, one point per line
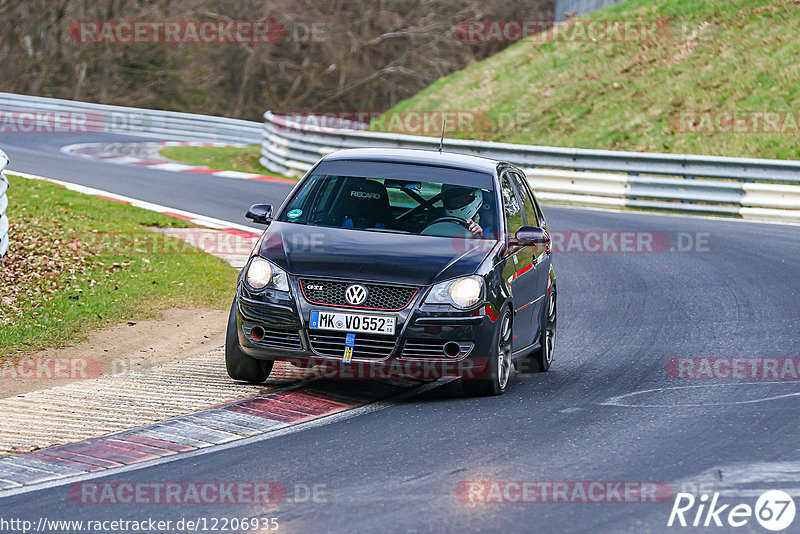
418 344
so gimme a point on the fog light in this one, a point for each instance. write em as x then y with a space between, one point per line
452 349
257 333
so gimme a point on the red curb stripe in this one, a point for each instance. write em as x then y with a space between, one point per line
71 464
368 390
273 403
114 199
265 178
153 442
290 407
279 410
138 447
241 233
68 455
255 413
172 214
312 402
404 383
100 449
270 412
201 171
344 401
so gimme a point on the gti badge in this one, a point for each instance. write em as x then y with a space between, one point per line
355 294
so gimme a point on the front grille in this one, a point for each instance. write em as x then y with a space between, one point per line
429 348
366 346
381 297
274 338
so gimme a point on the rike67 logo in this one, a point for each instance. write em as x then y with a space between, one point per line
774 510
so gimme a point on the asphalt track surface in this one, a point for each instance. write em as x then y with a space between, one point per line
622 317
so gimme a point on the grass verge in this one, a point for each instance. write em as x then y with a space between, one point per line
78 263
712 56
228 158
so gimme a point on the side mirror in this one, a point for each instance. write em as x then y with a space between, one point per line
260 213
531 236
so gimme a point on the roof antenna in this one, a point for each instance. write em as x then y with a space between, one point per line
441 140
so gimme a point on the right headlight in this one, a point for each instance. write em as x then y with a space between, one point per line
262 274
462 293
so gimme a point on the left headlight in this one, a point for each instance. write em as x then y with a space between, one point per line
462 293
262 274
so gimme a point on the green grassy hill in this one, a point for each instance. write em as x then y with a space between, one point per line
710 56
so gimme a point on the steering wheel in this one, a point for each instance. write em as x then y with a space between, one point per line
448 227
451 219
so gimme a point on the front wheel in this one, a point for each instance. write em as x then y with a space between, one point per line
540 360
499 363
240 366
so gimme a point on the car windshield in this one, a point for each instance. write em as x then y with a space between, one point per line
396 198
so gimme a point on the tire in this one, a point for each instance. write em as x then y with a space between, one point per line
540 360
240 366
499 363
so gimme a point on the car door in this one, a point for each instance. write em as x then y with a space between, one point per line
540 257
518 267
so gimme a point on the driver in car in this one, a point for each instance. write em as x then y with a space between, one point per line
463 203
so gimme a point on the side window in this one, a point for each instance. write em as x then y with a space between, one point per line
528 202
511 205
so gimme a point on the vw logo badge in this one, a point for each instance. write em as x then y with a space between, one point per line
355 294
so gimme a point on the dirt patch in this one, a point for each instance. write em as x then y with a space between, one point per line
176 334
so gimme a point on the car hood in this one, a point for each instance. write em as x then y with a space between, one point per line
371 256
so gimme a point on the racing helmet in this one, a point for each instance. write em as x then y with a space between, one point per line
460 201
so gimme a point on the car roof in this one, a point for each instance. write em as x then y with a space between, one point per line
417 157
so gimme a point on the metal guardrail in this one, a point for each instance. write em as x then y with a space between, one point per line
4 237
80 117
741 187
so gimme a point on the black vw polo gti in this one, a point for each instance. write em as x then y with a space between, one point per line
435 263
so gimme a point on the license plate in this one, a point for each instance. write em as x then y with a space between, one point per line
352 322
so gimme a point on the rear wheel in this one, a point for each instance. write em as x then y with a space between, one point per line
540 360
240 366
499 363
